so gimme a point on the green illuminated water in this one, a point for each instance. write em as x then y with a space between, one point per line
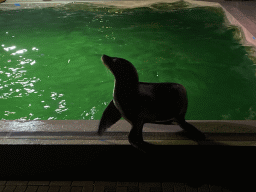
50 60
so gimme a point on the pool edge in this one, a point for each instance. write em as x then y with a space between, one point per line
83 132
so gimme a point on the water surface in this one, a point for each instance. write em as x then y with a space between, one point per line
50 66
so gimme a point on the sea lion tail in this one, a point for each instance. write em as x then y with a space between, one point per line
193 132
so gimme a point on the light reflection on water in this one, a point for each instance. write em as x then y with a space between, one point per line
14 71
16 83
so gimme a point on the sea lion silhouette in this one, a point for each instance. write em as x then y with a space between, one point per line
140 102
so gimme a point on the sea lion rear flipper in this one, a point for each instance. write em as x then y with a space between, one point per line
194 133
110 116
136 139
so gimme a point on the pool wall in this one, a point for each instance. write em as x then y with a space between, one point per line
248 25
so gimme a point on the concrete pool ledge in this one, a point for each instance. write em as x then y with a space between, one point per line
28 4
84 132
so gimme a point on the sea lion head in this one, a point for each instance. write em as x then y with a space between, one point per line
120 68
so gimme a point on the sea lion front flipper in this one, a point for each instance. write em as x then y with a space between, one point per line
109 117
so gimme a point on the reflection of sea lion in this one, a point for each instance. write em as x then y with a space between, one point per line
139 103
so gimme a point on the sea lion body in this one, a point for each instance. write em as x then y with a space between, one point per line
141 102
153 102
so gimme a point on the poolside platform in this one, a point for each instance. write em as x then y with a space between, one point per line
103 186
84 132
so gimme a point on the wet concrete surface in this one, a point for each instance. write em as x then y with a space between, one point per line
84 132
244 13
244 126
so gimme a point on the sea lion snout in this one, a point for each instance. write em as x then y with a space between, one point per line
106 59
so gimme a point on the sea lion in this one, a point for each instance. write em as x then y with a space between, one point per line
140 103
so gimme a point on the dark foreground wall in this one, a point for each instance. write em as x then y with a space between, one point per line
222 165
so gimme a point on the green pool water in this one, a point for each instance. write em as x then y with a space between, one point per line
50 59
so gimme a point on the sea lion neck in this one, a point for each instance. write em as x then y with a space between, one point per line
128 83
127 79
